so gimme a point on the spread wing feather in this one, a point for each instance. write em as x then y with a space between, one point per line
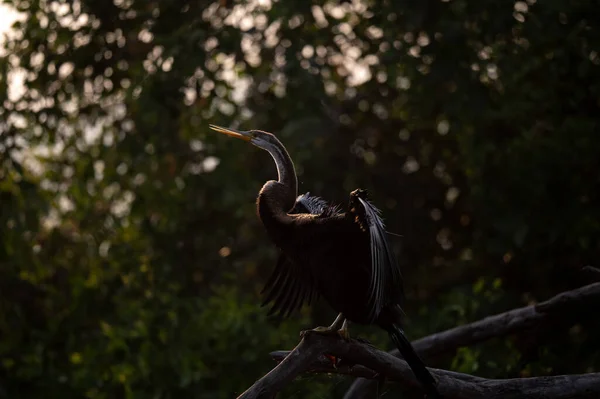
290 285
384 267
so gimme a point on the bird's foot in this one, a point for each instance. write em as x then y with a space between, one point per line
339 322
319 330
331 330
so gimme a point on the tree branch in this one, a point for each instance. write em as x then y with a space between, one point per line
324 365
368 362
296 363
450 384
569 303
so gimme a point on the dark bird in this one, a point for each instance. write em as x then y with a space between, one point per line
342 256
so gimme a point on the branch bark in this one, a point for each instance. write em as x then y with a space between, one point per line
569 303
294 364
450 384
370 363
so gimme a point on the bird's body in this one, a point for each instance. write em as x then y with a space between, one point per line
328 253
342 256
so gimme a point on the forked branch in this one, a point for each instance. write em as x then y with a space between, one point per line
307 357
372 363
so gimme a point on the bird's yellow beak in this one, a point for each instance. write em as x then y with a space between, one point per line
246 136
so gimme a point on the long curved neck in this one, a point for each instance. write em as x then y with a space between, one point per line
285 171
277 198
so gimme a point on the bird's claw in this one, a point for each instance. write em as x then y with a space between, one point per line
339 327
319 330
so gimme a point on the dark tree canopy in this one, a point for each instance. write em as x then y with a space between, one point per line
131 257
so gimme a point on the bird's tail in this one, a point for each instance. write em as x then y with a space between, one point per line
414 361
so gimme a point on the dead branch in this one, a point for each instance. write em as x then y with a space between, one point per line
567 305
324 365
450 384
368 362
296 363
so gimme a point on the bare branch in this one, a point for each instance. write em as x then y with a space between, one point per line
296 363
450 384
325 365
569 303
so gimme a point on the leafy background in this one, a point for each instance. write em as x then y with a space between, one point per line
131 257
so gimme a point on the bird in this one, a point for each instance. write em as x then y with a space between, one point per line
342 255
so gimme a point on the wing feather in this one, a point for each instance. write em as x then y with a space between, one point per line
383 261
290 285
278 293
306 203
286 297
268 288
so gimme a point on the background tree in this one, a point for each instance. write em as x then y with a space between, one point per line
131 257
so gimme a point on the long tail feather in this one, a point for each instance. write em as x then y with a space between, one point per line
414 361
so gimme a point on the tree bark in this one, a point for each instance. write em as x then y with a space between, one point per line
451 385
362 360
566 305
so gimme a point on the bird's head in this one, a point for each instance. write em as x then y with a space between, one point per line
259 138
283 161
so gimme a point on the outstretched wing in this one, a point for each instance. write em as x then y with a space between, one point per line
386 280
290 285
288 288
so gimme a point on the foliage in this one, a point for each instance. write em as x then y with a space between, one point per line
131 258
